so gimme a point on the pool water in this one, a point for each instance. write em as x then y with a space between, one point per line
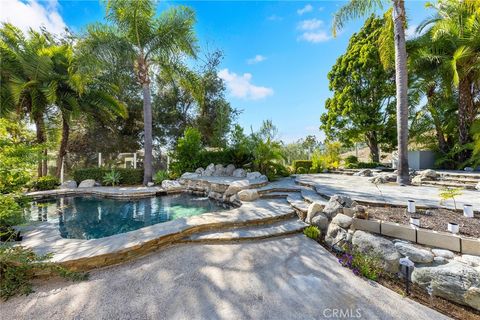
92 218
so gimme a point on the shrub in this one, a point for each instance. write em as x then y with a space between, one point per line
306 164
313 170
45 183
11 212
363 165
301 170
127 176
187 152
351 159
160 176
312 232
112 178
367 265
17 266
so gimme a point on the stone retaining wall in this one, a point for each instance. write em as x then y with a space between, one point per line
436 239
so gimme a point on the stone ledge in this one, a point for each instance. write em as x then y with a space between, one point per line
471 246
438 240
400 231
366 225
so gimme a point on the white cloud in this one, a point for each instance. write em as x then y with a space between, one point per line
307 8
32 14
315 36
311 24
274 17
240 86
258 58
410 32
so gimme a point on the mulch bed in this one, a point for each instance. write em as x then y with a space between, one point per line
433 219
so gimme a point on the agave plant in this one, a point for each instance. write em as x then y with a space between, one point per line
112 178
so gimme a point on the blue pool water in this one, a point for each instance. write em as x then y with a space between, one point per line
93 218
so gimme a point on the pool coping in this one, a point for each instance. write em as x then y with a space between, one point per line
78 254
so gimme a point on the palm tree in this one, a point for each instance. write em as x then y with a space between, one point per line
79 93
143 41
455 43
357 8
28 87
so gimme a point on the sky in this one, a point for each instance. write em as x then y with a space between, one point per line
277 54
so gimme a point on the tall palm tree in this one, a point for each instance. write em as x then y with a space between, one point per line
28 87
454 34
357 8
145 40
79 93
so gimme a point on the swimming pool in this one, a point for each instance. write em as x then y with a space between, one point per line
89 217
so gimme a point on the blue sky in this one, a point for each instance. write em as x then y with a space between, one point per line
277 54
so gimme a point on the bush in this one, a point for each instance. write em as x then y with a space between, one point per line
313 170
306 164
17 267
45 183
160 176
301 170
11 212
350 160
187 152
363 165
312 232
112 178
127 176
363 264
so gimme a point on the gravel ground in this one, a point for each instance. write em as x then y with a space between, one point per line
433 219
284 278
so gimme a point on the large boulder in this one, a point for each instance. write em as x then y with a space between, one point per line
478 186
320 221
89 183
342 220
209 170
69 184
429 174
313 209
229 170
469 259
383 178
219 170
417 180
171 185
336 236
414 253
239 173
442 253
364 173
199 171
379 247
336 204
248 195
236 186
253 175
453 281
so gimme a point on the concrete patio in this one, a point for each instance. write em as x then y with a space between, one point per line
283 278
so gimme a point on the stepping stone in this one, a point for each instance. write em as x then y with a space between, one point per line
312 196
249 233
297 202
276 194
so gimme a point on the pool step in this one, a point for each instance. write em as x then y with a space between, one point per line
249 233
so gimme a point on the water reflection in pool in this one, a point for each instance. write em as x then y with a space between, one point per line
92 218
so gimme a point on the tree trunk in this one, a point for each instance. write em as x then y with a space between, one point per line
147 122
63 144
442 143
372 142
466 115
401 81
41 138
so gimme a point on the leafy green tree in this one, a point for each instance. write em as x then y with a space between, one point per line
357 8
362 107
144 41
187 152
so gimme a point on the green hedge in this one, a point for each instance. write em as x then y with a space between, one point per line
45 183
304 164
127 176
363 165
